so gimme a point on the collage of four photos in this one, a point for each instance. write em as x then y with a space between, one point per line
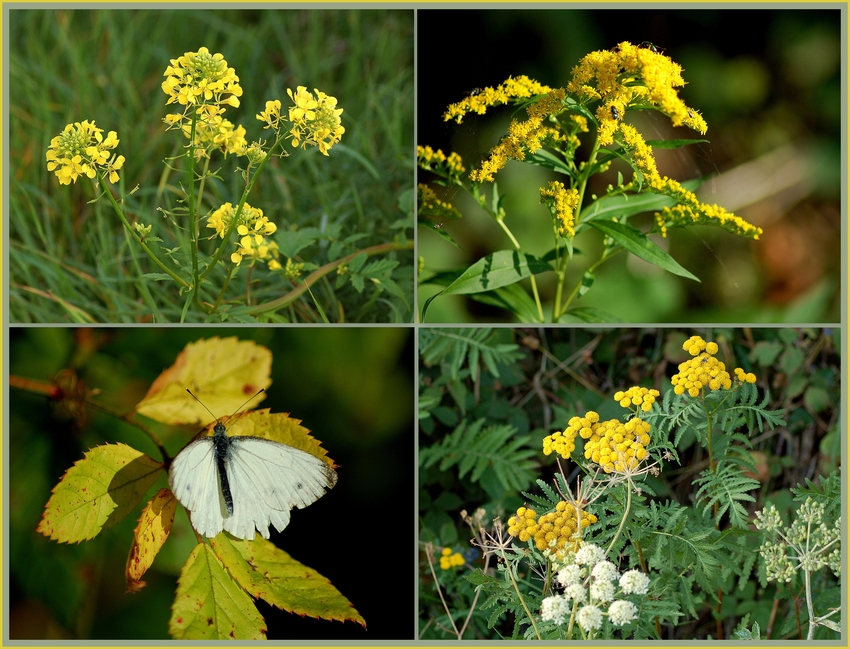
532 317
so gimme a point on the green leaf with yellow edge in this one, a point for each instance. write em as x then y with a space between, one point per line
278 427
149 536
222 373
267 572
98 492
210 605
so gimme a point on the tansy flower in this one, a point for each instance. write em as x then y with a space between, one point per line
80 149
554 533
449 560
704 370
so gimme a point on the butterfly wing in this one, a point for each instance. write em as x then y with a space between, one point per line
267 479
194 480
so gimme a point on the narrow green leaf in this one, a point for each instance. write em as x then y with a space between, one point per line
588 314
210 605
637 243
673 144
496 270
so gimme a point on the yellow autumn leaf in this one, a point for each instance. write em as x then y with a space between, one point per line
150 535
98 492
210 605
267 572
222 373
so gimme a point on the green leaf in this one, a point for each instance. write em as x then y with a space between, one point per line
619 205
588 314
637 243
267 572
291 242
210 605
98 492
544 158
513 298
496 270
673 144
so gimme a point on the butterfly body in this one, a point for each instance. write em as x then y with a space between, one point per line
240 484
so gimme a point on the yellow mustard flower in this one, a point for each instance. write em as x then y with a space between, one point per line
201 78
80 149
315 120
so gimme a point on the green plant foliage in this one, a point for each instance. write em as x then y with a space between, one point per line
682 517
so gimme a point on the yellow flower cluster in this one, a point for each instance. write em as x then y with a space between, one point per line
562 443
744 377
212 131
524 137
449 560
643 397
478 102
315 120
629 75
450 167
432 208
562 203
554 531
253 227
201 78
616 446
704 370
79 149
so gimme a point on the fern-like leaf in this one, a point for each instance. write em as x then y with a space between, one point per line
725 488
474 449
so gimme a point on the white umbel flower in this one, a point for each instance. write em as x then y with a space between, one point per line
555 609
589 618
589 555
622 612
634 581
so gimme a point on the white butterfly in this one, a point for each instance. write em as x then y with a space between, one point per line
241 483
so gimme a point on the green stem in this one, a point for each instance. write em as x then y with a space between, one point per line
101 178
625 514
528 614
316 275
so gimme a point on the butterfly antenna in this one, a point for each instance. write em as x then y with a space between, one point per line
237 410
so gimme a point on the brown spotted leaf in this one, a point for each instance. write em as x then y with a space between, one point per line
150 534
210 605
222 373
267 572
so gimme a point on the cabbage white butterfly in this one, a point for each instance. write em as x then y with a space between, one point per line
239 484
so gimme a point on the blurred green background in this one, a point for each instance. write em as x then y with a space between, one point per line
66 66
352 387
767 81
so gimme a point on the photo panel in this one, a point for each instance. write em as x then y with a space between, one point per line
121 526
627 165
210 165
630 483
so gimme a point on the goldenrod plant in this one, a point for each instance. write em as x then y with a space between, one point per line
647 524
577 132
